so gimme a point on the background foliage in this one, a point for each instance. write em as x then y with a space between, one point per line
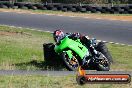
76 1
81 1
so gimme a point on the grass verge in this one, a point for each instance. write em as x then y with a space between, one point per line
22 49
121 17
50 82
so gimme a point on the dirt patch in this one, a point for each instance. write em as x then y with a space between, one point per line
110 17
93 16
13 33
7 33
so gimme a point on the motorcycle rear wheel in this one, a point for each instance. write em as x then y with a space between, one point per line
101 47
103 64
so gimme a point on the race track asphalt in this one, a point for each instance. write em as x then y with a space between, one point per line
57 73
106 30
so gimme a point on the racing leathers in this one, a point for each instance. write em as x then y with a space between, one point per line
88 42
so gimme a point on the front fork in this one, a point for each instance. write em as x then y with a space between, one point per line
69 53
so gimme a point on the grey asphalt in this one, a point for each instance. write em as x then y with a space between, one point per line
57 73
113 31
106 30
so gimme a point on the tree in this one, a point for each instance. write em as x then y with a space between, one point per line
129 1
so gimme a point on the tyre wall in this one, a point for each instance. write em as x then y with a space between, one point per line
73 8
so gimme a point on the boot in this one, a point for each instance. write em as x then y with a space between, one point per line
96 55
85 61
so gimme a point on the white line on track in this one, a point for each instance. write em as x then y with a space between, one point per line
49 14
60 15
33 13
52 32
86 17
98 18
72 16
124 20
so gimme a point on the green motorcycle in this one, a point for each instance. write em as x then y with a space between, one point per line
73 52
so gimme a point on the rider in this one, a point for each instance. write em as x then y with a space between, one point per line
59 34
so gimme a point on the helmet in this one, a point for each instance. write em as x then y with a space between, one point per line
58 35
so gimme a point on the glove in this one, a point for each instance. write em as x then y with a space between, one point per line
76 35
93 41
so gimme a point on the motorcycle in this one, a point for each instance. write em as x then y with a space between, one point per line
73 52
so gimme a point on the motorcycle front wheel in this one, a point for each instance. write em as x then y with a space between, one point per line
71 64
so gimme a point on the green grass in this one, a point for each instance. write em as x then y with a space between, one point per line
33 81
121 56
61 12
76 13
70 13
22 49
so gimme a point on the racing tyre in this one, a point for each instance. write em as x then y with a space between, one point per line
1 5
20 5
15 7
64 9
130 6
44 8
73 10
24 7
112 11
130 12
93 10
49 7
83 10
9 5
126 8
101 47
34 8
89 8
69 8
98 8
71 64
125 12
59 7
103 63
54 9
4 6
103 11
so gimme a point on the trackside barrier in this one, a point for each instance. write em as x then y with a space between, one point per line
120 9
